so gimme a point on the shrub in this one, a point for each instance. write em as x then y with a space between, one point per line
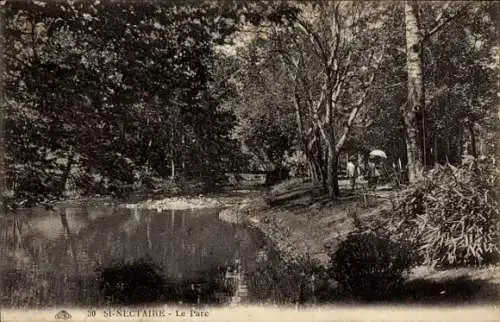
301 280
369 265
452 216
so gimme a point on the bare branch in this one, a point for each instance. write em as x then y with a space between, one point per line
391 85
303 135
399 49
335 29
339 81
315 113
441 21
309 131
309 96
357 106
312 142
441 13
298 115
287 60
313 37
367 124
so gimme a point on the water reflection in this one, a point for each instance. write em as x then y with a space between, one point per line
89 255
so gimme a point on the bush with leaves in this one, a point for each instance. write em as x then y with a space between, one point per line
368 265
300 280
453 215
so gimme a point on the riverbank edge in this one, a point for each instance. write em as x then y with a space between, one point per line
276 223
296 229
162 189
221 198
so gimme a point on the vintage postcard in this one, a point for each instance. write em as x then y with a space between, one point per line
230 160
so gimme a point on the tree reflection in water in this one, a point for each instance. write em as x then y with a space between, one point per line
91 255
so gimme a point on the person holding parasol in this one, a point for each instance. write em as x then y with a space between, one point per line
375 157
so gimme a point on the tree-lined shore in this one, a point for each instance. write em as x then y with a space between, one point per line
102 95
181 98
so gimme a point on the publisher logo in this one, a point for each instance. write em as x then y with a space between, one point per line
63 315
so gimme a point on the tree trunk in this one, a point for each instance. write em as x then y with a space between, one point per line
313 160
436 152
148 233
172 168
324 168
313 168
313 171
335 175
183 161
66 173
317 168
2 133
472 140
332 172
416 101
319 159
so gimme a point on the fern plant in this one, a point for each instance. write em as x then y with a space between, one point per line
452 216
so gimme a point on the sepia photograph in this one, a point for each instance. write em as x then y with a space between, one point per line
230 160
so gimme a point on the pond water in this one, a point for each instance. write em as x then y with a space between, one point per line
95 254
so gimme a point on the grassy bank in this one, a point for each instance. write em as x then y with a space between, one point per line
300 220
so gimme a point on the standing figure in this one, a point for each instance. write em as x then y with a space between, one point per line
352 173
373 174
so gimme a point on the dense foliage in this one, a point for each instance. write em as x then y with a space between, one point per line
104 94
300 280
281 72
369 266
109 97
452 216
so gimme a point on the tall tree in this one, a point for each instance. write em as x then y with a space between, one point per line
111 88
414 111
339 50
416 100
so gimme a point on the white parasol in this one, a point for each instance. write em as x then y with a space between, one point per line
378 153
